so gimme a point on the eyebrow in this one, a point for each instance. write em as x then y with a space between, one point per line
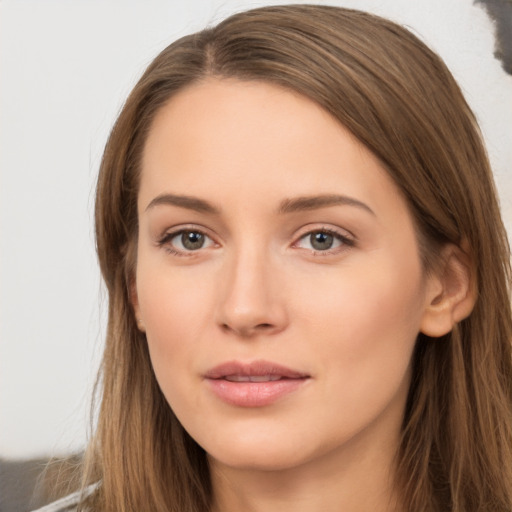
294 205
321 201
188 202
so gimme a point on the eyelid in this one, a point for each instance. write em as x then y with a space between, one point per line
169 234
347 239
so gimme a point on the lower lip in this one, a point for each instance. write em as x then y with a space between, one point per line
254 394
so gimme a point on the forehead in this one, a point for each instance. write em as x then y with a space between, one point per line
223 137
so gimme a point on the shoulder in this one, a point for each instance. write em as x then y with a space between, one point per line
68 503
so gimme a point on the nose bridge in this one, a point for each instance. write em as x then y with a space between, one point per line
250 300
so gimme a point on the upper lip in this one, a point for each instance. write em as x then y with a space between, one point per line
253 369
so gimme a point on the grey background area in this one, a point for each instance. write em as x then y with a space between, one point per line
500 12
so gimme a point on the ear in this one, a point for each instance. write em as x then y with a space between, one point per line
134 299
451 293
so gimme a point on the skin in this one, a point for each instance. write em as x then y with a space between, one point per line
347 317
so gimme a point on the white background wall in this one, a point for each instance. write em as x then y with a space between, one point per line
66 67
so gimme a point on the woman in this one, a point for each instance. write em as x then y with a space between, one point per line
308 279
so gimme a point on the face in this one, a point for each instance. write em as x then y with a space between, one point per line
278 277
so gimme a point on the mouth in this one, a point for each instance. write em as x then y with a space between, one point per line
254 384
253 378
256 371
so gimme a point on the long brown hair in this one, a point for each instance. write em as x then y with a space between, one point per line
400 100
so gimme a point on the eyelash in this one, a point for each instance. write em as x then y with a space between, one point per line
167 237
346 242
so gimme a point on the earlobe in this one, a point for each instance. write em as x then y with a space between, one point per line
451 293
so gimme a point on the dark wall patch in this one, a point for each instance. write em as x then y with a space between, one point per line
500 11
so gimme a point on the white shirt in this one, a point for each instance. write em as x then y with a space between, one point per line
68 503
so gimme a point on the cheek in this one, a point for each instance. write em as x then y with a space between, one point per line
366 320
174 307
363 332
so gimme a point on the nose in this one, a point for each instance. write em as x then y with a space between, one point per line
251 301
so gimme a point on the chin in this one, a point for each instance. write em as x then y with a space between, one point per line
258 460
253 452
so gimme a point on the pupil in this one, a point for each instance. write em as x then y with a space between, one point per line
191 240
321 241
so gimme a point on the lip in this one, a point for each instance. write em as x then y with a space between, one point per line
254 384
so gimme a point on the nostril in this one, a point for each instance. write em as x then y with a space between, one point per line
248 330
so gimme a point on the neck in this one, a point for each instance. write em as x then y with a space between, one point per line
355 478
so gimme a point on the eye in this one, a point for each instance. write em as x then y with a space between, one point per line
324 240
186 240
